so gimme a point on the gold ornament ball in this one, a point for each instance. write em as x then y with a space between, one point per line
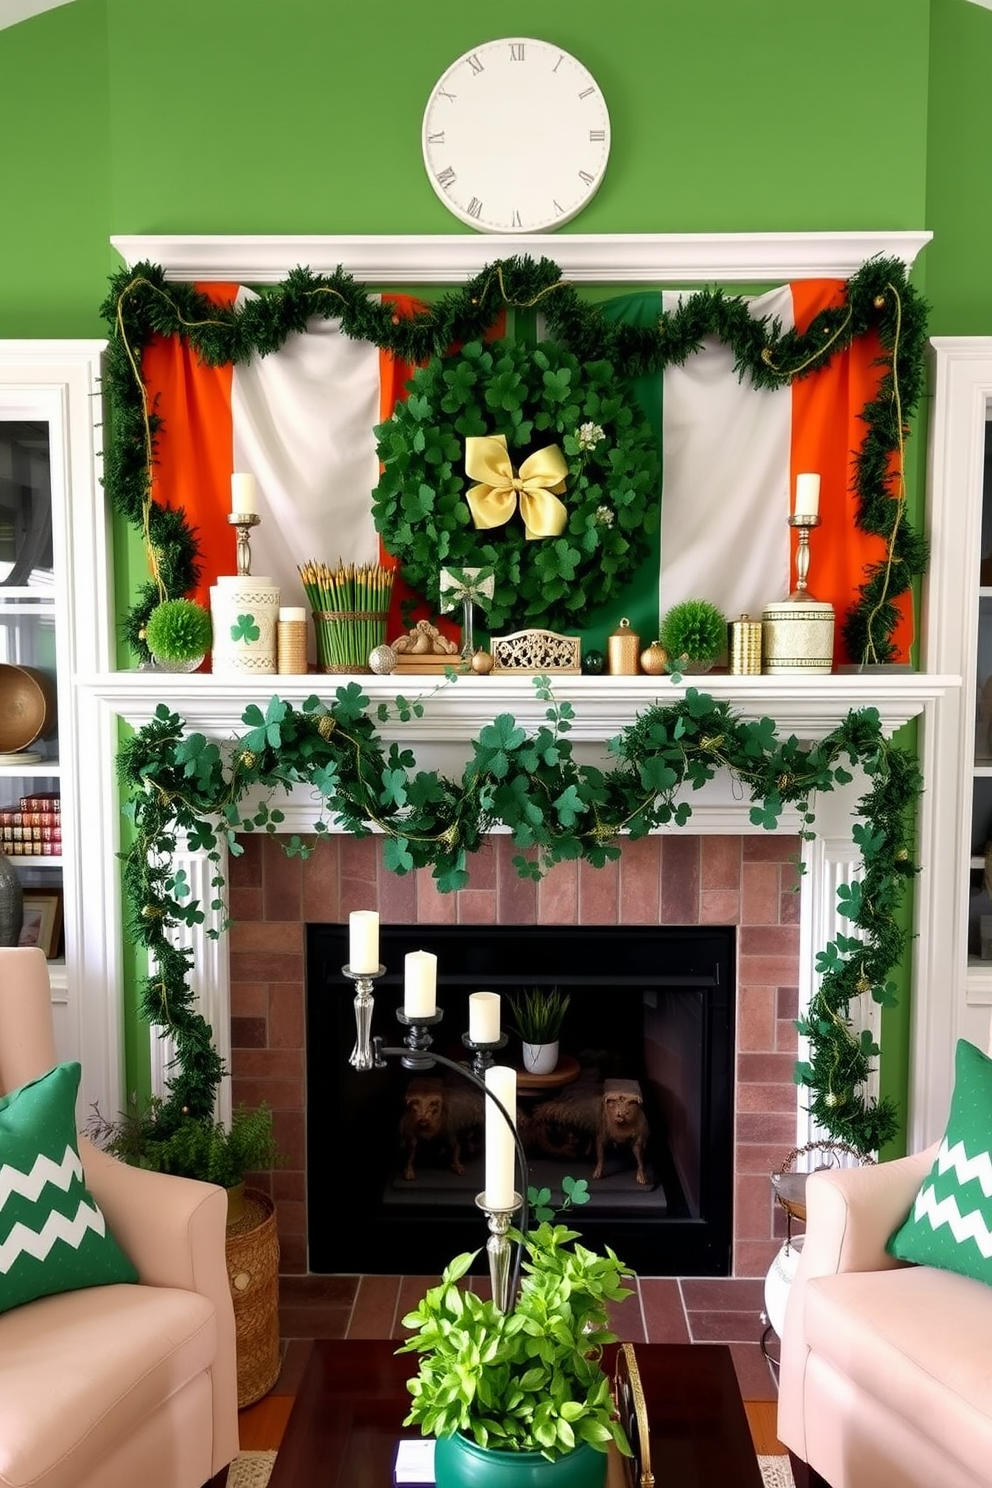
482 662
654 659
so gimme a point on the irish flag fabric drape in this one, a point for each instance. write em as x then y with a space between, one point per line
302 420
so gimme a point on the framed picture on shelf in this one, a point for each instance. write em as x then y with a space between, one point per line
42 923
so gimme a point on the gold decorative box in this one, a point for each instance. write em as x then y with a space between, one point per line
536 651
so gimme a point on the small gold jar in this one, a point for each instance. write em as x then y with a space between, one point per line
745 647
623 647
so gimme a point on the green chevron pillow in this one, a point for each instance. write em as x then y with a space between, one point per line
950 1223
53 1236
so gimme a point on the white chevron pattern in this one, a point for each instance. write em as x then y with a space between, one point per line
955 1159
43 1170
970 1226
22 1241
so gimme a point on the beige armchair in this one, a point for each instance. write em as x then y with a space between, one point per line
119 1386
886 1372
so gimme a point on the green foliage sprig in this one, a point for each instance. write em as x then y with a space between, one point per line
537 1014
160 1137
693 630
879 300
179 630
531 1379
552 805
533 396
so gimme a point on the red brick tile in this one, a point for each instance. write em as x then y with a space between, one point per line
477 907
759 1157
292 1260
482 867
789 908
249 999
301 1291
769 940
374 1312
270 966
558 895
287 1185
266 1063
680 880
316 1320
245 868
720 1294
760 894
291 1218
599 894
358 857
321 897
433 907
757 1069
516 896
725 1327
754 1377
245 904
248 1033
753 1257
786 1037
753 1202
281 937
719 907
282 880
768 1126
664 1314
290 1136
397 897
281 1093
768 971
286 1016
626 1320
788 1002
640 882
774 846
777 1097
720 863
756 1022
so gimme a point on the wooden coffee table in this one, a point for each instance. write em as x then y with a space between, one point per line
348 1415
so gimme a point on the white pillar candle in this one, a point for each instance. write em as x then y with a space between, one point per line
483 1017
363 941
501 1149
243 497
420 984
807 495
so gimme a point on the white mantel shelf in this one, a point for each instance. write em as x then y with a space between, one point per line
808 708
583 258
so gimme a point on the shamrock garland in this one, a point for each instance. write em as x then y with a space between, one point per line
141 303
532 396
551 804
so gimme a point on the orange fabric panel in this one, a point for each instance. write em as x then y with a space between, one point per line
827 432
194 448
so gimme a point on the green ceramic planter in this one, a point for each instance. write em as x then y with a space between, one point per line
460 1463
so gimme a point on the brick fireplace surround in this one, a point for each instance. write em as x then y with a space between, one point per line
676 879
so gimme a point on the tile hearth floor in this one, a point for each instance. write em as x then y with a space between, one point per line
694 1309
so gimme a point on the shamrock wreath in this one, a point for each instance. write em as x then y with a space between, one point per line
541 405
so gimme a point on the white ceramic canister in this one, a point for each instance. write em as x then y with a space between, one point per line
245 612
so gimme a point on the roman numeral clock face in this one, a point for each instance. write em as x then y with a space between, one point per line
516 137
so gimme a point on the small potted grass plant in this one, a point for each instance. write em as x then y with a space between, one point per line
694 635
537 1015
178 634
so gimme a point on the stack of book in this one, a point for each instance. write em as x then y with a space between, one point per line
32 828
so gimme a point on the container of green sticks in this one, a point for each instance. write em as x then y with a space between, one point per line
350 606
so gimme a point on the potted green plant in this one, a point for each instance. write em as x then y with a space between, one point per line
537 1015
522 1395
178 634
694 634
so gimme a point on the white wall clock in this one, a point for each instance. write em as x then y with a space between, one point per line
516 136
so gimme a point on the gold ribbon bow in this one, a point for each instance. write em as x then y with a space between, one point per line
493 501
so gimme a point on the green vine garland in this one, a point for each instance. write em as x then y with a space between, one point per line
879 296
534 396
555 808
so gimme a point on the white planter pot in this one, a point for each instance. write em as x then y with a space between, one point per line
540 1059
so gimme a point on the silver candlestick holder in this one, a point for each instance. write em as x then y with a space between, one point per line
498 1249
244 522
797 633
482 1054
361 1057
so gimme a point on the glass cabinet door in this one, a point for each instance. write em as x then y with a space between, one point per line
30 793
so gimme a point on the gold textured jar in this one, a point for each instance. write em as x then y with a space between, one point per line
623 648
745 647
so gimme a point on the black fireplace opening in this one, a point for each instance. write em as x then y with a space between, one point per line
395 1158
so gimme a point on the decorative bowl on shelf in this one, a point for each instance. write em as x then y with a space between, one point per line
27 707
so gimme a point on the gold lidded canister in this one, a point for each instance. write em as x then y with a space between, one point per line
745 647
623 648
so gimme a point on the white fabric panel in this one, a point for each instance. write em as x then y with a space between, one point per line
303 420
726 491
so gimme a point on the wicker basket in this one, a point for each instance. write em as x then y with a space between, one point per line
253 1271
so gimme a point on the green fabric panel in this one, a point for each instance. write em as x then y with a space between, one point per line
640 602
950 1223
53 1235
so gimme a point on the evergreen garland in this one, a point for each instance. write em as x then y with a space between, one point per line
879 297
557 808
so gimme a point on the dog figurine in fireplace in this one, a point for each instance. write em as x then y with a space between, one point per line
592 1120
437 1113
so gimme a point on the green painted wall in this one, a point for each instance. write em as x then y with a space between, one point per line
124 116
